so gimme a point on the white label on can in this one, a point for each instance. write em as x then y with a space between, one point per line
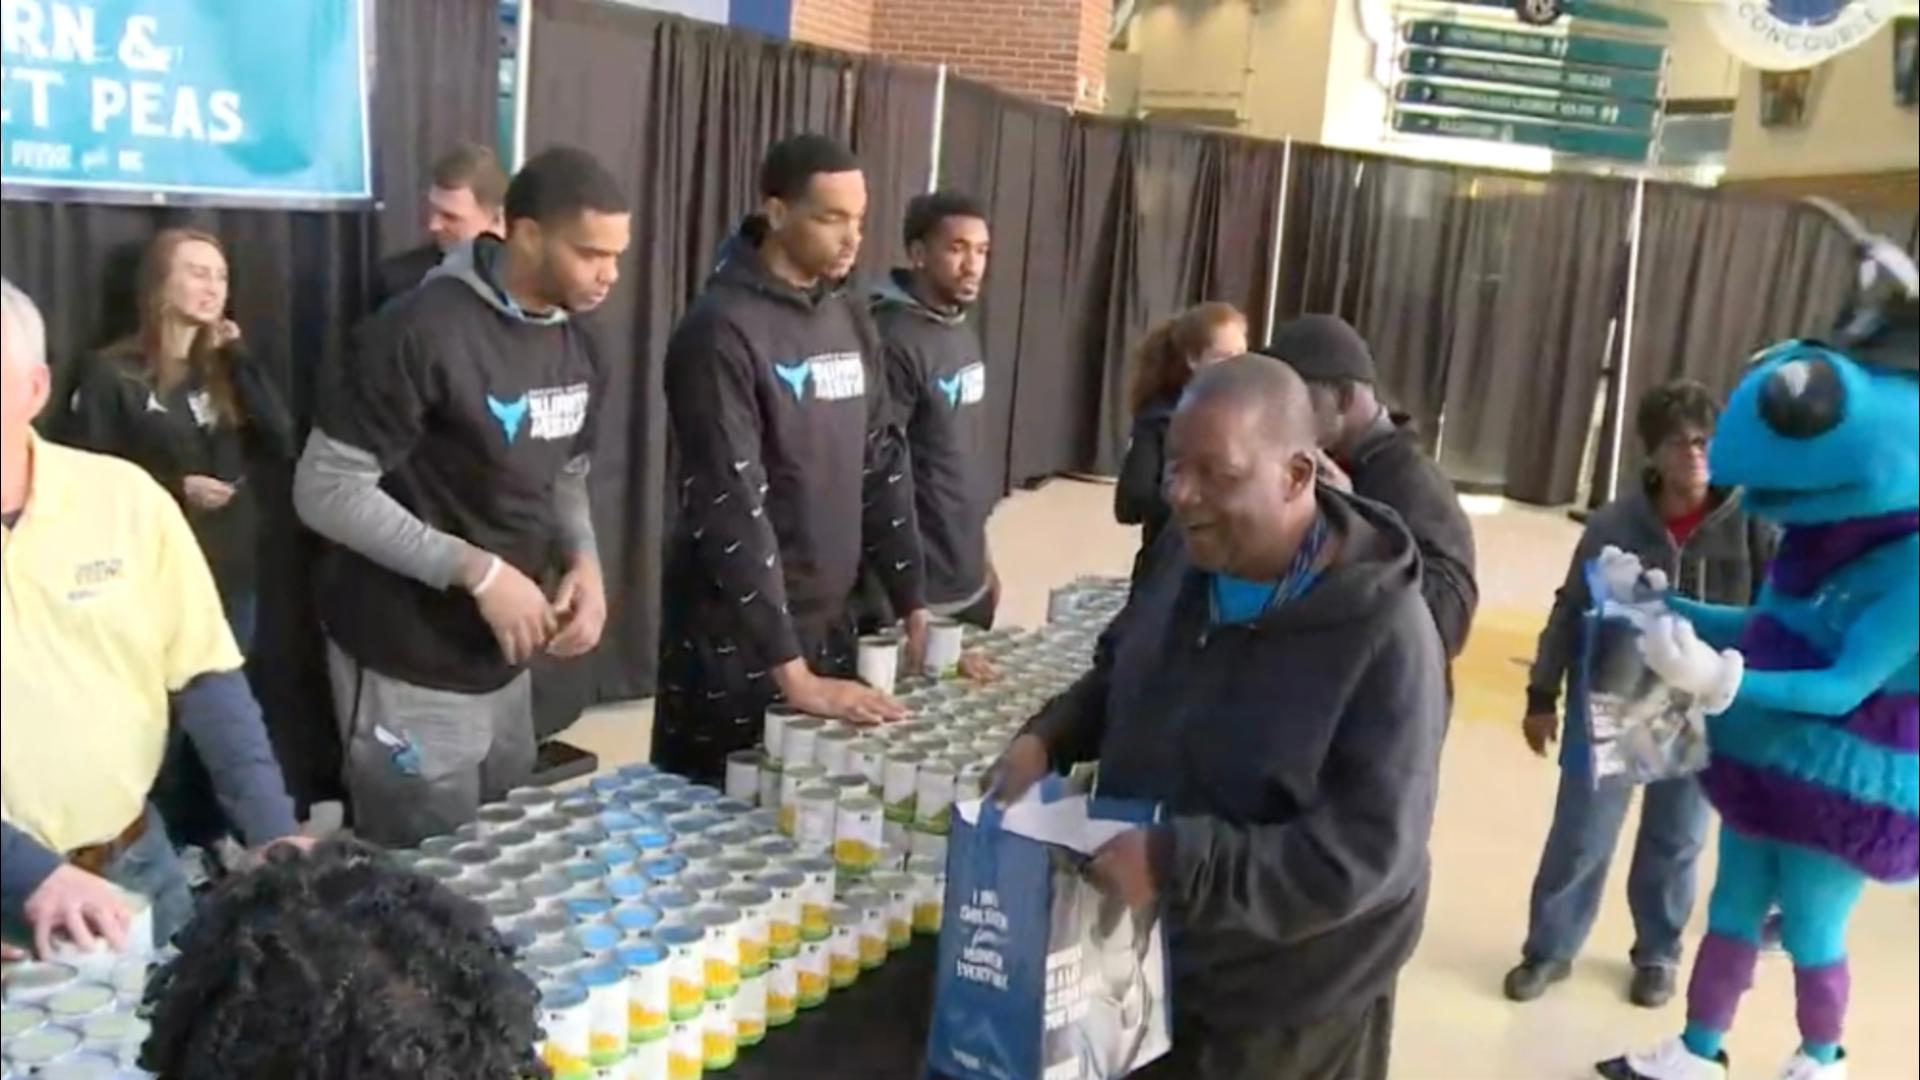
686 1049
743 778
943 648
608 1022
902 781
798 743
868 758
569 1042
933 799
813 827
879 664
648 1002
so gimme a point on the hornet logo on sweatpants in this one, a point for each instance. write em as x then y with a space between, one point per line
834 376
557 412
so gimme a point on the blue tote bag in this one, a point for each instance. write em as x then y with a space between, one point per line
1041 976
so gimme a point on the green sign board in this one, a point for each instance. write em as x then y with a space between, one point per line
1600 112
1566 78
1559 48
1592 11
1585 142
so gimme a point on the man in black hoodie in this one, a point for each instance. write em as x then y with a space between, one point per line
788 468
1378 452
1276 683
448 465
937 374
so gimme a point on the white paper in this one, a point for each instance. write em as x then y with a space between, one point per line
1063 822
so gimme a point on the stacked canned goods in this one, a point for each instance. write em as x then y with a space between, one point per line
77 1018
670 926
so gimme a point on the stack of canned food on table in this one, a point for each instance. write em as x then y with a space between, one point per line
74 1020
672 926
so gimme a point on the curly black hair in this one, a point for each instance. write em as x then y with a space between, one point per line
340 965
1673 408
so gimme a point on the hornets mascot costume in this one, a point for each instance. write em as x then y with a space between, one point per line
1811 693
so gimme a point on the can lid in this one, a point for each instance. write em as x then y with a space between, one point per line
507 907
745 757
679 933
618 821
555 957
637 918
892 881
803 773
804 722
544 886
700 794
113 1027
602 975
846 915
652 836
746 895
597 938
562 994
643 953
666 899
80 1000
730 808
37 975
582 908
926 864
45 1045
716 915
813 864
859 802
837 734
582 870
626 886
820 791
781 879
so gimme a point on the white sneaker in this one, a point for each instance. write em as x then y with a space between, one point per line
1671 1060
1802 1067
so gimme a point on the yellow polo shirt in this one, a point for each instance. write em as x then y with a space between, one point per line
109 606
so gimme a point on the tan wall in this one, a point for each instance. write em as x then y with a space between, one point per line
1287 88
1854 124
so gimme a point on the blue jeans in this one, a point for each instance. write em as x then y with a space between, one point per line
1573 868
152 868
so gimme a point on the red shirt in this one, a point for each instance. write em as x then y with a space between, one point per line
1683 527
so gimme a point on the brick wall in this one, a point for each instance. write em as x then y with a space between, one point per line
836 24
1053 50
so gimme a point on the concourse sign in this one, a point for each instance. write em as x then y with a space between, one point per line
1598 112
240 101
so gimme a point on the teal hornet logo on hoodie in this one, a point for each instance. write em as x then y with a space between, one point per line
509 414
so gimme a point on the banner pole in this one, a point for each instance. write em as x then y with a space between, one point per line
939 127
1626 335
522 63
1279 236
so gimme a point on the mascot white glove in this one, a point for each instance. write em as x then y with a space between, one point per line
1624 575
1683 661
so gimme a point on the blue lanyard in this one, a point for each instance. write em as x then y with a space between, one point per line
1301 576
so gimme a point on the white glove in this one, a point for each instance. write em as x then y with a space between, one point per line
1622 571
1683 661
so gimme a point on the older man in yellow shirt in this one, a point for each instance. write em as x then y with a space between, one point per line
110 623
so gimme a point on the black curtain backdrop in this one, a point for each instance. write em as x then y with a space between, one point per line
1721 277
682 113
300 284
893 136
1380 243
436 83
1542 282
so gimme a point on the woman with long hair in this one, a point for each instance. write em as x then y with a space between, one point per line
1162 365
180 398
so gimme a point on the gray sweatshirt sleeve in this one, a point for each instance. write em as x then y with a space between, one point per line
337 492
1560 641
575 510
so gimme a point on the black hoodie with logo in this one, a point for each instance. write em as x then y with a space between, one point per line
1297 759
788 465
938 380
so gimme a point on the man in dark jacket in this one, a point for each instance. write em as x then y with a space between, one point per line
1378 452
1275 682
788 467
464 201
937 374
1710 550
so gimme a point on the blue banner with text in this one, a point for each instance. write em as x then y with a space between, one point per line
236 99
